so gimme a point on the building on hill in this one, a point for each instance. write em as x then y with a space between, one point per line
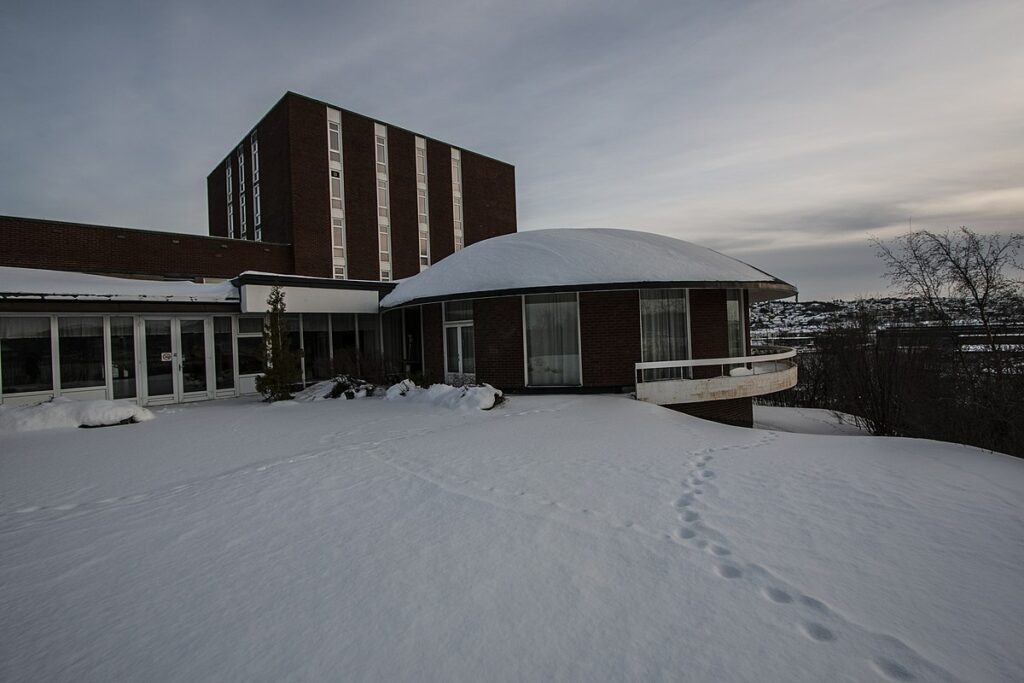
336 207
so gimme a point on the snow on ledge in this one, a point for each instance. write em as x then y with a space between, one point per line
32 283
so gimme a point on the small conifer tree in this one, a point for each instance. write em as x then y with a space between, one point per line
280 360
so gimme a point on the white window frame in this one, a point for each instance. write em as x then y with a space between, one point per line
458 217
255 147
228 173
336 171
243 228
384 247
458 377
422 217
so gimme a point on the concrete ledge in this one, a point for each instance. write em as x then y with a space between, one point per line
672 391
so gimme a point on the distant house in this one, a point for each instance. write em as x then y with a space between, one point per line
336 207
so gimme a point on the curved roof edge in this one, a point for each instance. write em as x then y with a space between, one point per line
760 291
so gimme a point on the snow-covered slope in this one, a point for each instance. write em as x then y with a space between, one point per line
551 538
578 256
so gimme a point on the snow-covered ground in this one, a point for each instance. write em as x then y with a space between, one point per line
806 421
552 537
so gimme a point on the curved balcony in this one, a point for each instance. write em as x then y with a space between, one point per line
768 369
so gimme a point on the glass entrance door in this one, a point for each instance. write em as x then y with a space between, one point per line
178 360
192 344
161 360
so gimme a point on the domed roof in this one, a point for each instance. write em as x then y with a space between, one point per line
581 259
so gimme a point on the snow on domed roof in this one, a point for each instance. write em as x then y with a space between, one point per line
581 259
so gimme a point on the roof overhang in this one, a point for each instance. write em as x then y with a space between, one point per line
759 291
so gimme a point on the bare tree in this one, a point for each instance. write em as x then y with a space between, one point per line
958 272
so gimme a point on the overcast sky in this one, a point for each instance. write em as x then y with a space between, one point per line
783 133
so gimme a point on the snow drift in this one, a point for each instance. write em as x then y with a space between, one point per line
65 412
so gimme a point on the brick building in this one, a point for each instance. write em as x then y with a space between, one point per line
335 206
602 311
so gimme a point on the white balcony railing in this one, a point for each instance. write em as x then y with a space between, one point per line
768 369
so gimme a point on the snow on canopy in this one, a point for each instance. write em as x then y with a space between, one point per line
569 257
31 283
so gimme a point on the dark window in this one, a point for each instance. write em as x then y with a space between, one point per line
223 353
122 357
251 325
317 345
25 356
250 355
81 352
343 342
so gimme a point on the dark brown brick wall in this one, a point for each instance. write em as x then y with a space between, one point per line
275 174
360 196
498 336
734 411
708 331
405 258
433 342
310 196
488 197
216 202
33 243
439 199
610 336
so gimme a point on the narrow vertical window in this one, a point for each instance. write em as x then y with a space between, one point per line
457 222
255 146
383 202
256 212
243 230
422 207
230 194
257 218
336 188
734 316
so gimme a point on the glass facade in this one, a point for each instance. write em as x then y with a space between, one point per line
180 358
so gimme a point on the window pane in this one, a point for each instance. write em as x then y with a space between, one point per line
193 355
223 353
451 338
250 355
25 355
316 343
251 325
468 350
122 357
663 330
552 340
458 310
81 352
369 344
734 316
343 341
159 361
